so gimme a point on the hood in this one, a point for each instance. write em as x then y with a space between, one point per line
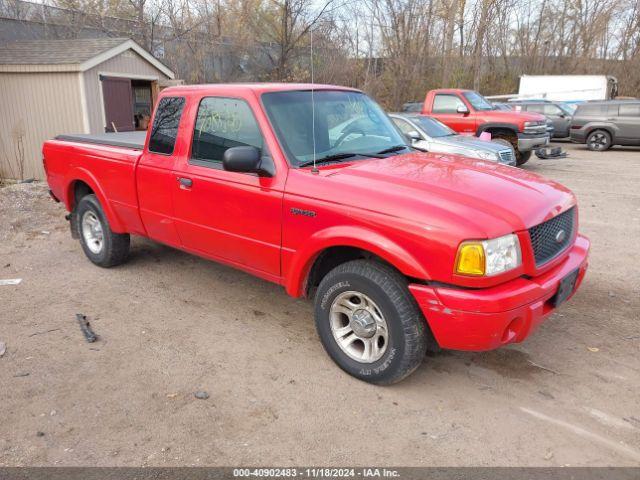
475 198
467 141
507 116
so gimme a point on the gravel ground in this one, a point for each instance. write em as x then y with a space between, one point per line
171 324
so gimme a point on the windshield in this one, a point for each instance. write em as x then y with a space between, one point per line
433 127
345 122
567 108
478 101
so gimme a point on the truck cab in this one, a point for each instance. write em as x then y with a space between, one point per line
469 113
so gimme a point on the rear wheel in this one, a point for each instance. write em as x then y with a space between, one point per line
369 323
100 244
599 141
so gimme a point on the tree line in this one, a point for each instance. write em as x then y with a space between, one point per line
393 49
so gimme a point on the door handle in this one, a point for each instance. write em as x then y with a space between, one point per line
185 182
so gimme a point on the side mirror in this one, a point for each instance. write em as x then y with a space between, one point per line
414 136
462 109
245 159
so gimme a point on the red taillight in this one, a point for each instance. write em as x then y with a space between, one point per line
576 127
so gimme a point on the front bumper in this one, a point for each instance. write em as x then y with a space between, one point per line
527 142
484 319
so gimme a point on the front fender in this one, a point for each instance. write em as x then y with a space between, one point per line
504 126
84 175
348 236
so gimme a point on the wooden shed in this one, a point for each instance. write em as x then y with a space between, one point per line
50 87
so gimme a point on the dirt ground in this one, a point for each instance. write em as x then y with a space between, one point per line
171 324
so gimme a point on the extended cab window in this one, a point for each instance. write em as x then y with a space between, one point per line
445 103
164 130
223 123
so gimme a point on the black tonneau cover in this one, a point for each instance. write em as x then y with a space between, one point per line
133 140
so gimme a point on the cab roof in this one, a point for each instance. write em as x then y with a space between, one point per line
256 88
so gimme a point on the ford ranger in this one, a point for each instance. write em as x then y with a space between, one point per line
468 112
313 187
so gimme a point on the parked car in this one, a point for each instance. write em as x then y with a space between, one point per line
558 112
505 107
603 124
400 249
430 135
551 130
414 107
468 112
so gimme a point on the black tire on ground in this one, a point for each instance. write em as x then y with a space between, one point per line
522 157
599 141
408 332
114 249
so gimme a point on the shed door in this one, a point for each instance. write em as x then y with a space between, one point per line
118 104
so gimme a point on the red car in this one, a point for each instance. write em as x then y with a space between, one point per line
313 188
468 112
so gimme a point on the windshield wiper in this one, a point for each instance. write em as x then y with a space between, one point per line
395 148
328 158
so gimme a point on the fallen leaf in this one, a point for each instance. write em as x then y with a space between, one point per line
593 349
172 395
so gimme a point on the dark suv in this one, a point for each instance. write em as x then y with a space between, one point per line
603 124
559 113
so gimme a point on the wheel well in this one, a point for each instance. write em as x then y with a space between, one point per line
604 129
495 131
80 189
330 258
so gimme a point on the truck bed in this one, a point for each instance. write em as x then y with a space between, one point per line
134 140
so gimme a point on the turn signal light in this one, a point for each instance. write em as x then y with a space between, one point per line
471 260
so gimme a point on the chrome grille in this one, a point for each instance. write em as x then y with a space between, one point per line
506 156
546 239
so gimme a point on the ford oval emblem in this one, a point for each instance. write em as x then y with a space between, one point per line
560 236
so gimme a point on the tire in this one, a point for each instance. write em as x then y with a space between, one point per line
397 319
599 141
100 244
521 157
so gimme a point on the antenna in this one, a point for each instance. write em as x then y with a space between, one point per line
313 108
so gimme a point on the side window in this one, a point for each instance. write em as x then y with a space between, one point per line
223 123
591 110
538 108
164 130
404 126
444 103
553 110
632 110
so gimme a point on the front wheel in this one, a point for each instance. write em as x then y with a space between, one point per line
369 323
521 157
599 141
101 245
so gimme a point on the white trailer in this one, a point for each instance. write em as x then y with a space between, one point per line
568 88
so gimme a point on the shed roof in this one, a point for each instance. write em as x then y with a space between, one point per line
78 54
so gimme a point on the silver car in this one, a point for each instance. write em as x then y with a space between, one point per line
430 135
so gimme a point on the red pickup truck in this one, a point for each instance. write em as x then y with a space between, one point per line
466 111
314 188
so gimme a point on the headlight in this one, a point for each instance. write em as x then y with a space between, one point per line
488 257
